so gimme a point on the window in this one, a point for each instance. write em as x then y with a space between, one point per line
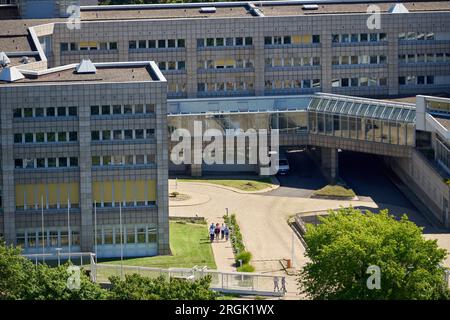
117 134
51 162
316 61
200 43
113 46
17 113
62 136
73 136
149 108
128 134
248 41
139 109
139 134
40 137
383 36
162 65
140 159
95 135
219 42
181 43
106 135
51 137
39 112
430 79
103 46
28 112
127 109
73 161
117 109
286 40
239 41
316 38
267 40
335 38
152 44
132 44
50 112
95 160
181 65
64 46
171 65
73 111
17 138
62 162
161 43
150 132
62 111
29 137
401 80
345 37
354 37
373 37
106 110
18 163
95 110
171 43
142 44
364 37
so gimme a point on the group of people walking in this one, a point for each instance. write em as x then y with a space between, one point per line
217 231
276 286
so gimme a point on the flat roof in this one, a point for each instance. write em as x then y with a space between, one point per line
13 43
160 13
241 9
136 73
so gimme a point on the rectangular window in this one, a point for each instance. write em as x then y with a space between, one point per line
142 44
29 138
373 37
113 46
200 43
39 112
287 40
95 110
239 41
62 136
17 113
364 37
139 109
103 46
149 108
219 42
181 65
152 44
17 138
248 41
40 137
28 112
181 43
73 111
128 134
51 162
95 160
73 136
161 43
18 163
127 109
117 134
51 137
62 112
73 161
117 109
95 135
139 133
267 41
171 43
132 44
106 110
106 135
62 162
316 38
64 46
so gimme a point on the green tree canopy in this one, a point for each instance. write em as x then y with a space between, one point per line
347 242
137 287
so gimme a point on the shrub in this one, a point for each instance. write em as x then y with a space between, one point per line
246 268
245 256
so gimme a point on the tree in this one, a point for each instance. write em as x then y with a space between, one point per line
347 242
136 287
21 279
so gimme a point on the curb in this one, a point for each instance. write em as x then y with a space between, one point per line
274 187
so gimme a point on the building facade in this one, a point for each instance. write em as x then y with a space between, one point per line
81 150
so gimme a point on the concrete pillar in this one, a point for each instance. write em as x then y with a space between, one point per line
329 163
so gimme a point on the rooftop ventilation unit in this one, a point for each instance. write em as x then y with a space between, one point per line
10 74
86 66
4 60
398 8
24 60
254 10
208 10
310 7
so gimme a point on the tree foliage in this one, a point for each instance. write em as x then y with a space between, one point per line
347 242
137 287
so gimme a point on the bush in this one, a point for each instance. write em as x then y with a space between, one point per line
246 268
245 256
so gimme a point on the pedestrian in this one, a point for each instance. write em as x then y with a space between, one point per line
227 232
211 230
217 231
211 235
283 284
222 231
275 284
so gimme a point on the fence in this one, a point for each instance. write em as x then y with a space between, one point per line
226 282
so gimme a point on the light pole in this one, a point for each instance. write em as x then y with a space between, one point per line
95 229
42 229
69 233
121 240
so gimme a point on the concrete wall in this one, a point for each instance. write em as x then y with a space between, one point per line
417 173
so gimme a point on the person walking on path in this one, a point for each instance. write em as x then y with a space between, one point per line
217 231
276 288
222 231
283 284
226 232
211 234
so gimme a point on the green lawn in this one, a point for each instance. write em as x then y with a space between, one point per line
335 191
190 246
245 185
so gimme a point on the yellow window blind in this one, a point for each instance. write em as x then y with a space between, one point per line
29 190
63 194
107 191
307 38
296 39
140 190
52 194
118 191
96 192
20 199
129 191
41 195
151 191
74 192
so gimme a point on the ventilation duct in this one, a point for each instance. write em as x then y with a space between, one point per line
86 66
11 74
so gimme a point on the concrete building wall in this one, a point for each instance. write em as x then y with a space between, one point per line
83 96
324 25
